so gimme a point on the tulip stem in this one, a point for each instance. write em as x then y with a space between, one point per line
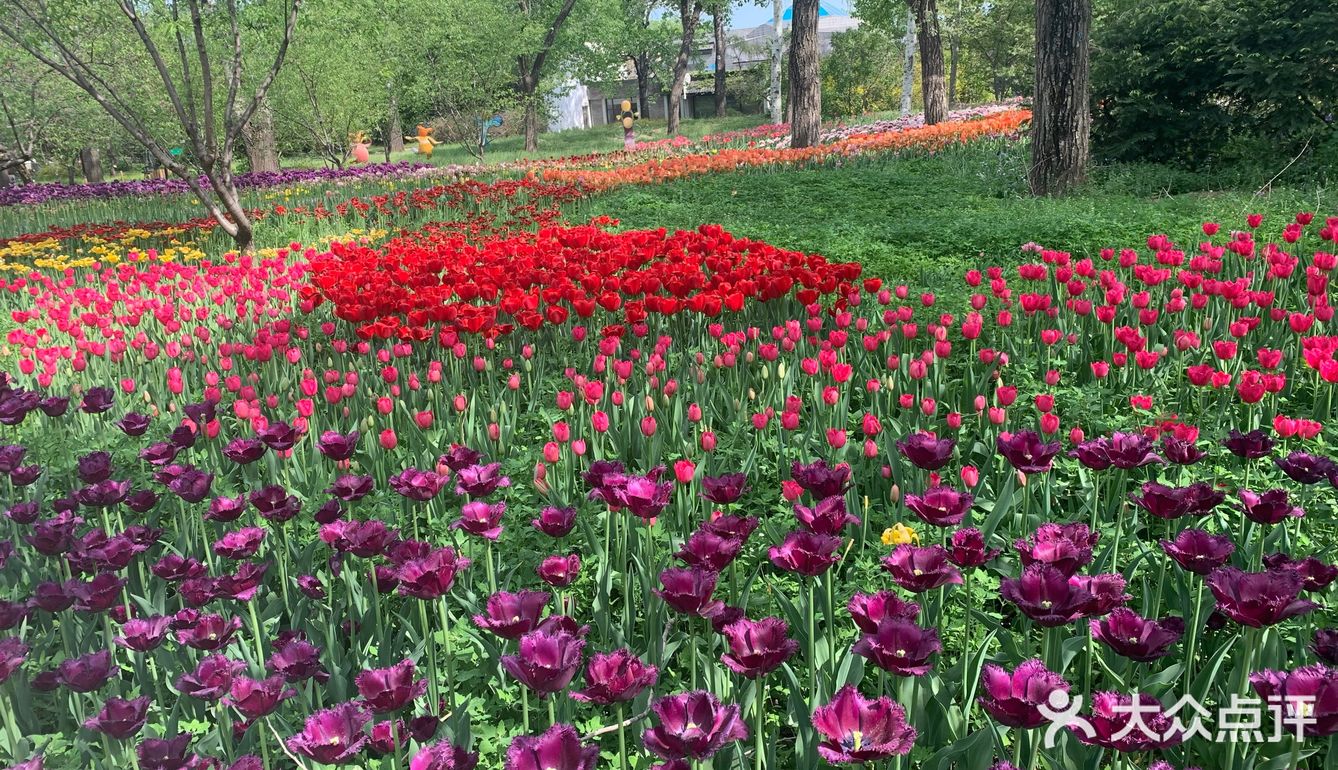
759 710
812 641
1192 643
552 712
446 647
492 571
966 653
525 708
430 646
622 736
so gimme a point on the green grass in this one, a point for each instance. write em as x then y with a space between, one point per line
912 216
582 141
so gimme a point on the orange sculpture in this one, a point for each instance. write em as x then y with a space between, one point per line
425 141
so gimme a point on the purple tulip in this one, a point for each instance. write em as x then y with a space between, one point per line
274 504
1131 450
940 506
1271 507
616 677
416 485
643 496
479 481
364 539
1309 691
165 753
1162 501
1135 637
1258 599
806 553
1044 594
1093 453
967 549
86 673
722 616
443 755
1304 468
210 632
119 718
856 729
1112 720
868 610
1324 644
93 467
919 569
512 615
384 690
926 451
141 501
97 400
225 509
311 587
1249 446
257 698
546 661
733 527
1198 551
688 590
559 748
1015 699
1315 574
460 457
756 648
555 522
709 551
828 517
1027 452
23 513
482 519
54 406
25 476
297 660
279 436
1181 451
191 485
11 457
333 736
144 634
559 571
900 647
820 480
351 488
337 446
1106 592
174 568
211 679
431 576
1066 547
240 544
693 725
12 654
725 489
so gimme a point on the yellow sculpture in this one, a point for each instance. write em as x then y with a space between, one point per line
425 141
628 118
359 146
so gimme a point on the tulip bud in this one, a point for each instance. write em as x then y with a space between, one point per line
894 494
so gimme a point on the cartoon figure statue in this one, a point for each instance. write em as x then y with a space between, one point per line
359 146
627 117
425 141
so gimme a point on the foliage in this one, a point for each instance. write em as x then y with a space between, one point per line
1178 81
862 73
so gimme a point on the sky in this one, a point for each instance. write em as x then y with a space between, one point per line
751 14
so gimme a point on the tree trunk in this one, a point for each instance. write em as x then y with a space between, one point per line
718 27
933 86
908 65
1061 113
805 82
777 47
90 161
394 129
531 123
690 15
262 148
954 50
642 64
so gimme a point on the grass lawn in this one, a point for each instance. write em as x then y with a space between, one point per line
907 217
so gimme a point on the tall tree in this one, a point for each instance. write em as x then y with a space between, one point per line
933 85
908 65
689 15
209 100
805 75
777 53
719 21
530 64
1061 114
